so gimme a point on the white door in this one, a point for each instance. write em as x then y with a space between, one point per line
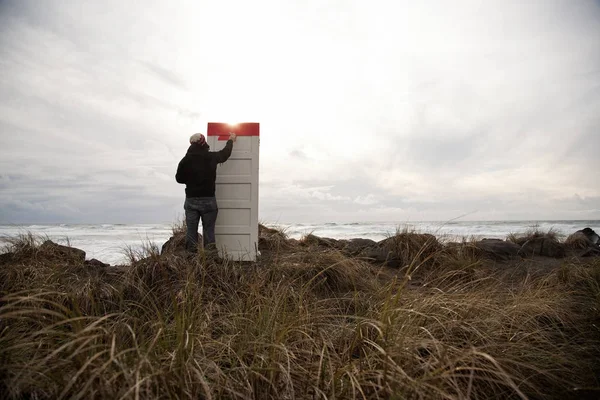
236 230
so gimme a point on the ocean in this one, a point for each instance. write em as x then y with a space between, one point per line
108 242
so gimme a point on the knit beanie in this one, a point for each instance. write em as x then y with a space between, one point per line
198 138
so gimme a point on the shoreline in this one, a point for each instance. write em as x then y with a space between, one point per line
372 246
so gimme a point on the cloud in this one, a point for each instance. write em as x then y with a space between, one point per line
369 111
166 75
369 199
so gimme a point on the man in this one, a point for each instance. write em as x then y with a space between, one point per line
198 171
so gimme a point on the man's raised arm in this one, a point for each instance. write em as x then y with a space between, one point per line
223 154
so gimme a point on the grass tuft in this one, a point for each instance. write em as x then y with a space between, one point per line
533 232
304 322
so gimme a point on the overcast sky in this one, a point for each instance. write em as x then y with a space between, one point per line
369 110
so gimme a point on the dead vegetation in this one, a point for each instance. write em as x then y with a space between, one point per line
311 320
533 232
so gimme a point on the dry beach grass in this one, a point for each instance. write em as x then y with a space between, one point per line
309 320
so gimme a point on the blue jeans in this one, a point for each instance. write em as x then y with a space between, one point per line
197 208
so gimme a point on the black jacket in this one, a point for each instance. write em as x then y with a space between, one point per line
198 169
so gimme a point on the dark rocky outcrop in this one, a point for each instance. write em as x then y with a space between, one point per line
265 231
53 250
409 247
273 239
357 245
313 240
380 256
176 243
411 242
583 239
591 252
542 246
591 235
453 245
366 249
95 263
497 249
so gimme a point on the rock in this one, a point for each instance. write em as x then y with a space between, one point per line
591 252
591 235
361 242
328 242
54 250
583 238
357 245
263 230
413 242
313 240
272 239
381 256
541 246
342 243
410 247
453 245
176 243
497 249
95 263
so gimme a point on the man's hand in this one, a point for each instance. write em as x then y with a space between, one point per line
232 136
